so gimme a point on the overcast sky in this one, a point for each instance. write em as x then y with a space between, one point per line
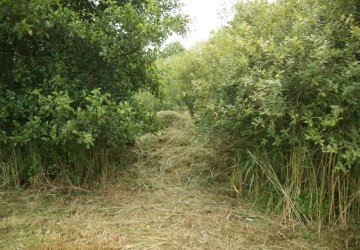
205 15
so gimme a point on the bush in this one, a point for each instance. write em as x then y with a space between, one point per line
68 74
279 86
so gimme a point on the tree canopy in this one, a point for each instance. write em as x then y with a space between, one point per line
279 86
69 70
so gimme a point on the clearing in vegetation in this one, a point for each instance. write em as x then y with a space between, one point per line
170 197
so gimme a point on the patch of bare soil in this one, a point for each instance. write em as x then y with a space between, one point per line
170 198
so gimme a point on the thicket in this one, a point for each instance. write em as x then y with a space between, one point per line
69 74
181 72
279 88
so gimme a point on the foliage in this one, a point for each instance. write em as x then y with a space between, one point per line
69 70
279 86
180 74
167 96
172 49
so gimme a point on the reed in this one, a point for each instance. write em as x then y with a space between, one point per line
34 166
309 191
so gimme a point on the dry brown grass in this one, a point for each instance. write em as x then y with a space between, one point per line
168 199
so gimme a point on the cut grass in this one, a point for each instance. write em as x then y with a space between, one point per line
170 198
132 216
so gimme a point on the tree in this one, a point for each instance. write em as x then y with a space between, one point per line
69 70
172 49
181 73
279 86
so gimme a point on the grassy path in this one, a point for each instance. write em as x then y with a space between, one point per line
167 199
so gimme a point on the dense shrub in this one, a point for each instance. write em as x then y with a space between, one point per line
180 73
279 86
69 71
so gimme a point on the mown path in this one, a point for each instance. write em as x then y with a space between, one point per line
170 198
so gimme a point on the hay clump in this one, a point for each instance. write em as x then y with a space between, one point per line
177 150
175 119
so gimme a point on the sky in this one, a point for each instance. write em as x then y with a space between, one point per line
205 15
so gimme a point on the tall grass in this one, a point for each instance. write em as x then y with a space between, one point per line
304 190
31 166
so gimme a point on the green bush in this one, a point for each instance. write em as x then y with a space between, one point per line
69 71
180 74
279 86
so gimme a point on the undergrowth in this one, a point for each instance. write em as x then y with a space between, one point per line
171 195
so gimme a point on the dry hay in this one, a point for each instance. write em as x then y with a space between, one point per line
136 217
176 155
165 201
175 119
